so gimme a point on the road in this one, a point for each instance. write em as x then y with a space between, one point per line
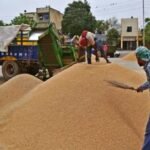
128 64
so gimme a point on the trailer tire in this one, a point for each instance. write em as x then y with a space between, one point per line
10 69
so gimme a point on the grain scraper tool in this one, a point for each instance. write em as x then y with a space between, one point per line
120 85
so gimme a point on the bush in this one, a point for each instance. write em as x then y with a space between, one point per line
111 51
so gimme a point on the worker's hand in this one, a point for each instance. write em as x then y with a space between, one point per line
139 89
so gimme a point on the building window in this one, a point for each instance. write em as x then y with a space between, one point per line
40 17
44 17
129 29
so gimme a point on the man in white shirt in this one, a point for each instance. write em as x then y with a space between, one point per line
87 42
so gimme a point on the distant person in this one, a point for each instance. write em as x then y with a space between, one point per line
87 42
101 46
75 41
143 59
104 51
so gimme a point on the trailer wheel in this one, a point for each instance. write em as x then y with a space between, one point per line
10 69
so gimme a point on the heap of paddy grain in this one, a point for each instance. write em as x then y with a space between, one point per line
16 88
130 57
78 109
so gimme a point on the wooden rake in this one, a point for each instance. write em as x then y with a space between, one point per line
120 85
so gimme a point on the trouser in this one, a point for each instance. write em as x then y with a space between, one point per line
89 54
96 54
146 144
104 54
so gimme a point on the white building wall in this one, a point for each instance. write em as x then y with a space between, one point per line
56 17
133 22
129 37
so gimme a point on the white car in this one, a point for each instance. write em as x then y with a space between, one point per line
117 54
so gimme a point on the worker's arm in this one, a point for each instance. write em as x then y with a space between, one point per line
143 87
146 85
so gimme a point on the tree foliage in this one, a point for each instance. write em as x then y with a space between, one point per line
1 23
78 17
113 21
147 32
22 19
112 37
147 19
102 25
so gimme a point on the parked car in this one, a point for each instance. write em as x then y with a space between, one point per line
116 54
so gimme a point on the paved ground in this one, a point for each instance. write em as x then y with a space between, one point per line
128 64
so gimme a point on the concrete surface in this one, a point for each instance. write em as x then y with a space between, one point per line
128 64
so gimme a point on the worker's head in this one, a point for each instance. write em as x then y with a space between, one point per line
142 55
84 33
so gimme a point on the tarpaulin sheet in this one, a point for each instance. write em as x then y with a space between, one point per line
8 34
35 35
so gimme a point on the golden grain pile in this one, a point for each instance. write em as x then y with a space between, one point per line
130 57
16 88
78 110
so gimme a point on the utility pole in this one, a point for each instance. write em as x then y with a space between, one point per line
143 24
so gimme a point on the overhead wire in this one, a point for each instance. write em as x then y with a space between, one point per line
122 9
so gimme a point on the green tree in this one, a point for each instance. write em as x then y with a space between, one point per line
78 17
147 19
147 33
102 25
22 19
113 40
113 37
1 23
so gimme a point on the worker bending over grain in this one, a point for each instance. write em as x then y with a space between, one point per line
87 42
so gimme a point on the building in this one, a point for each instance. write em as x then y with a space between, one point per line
130 34
44 16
